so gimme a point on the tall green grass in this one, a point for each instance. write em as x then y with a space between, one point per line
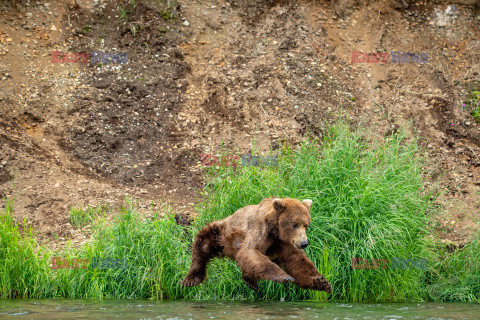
455 276
23 266
367 202
154 249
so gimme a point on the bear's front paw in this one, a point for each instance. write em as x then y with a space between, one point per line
191 281
322 284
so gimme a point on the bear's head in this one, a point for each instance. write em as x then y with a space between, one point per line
288 221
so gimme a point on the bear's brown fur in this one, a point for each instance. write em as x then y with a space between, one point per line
261 239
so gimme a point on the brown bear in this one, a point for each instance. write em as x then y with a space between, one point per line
261 239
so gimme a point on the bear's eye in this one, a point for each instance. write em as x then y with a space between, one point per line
295 226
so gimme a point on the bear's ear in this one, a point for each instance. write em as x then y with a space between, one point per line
307 203
278 205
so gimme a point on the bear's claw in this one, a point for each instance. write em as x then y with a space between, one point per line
283 279
322 284
191 281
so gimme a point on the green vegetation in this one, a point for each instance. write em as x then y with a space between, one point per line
473 103
86 28
23 270
456 276
126 8
367 202
167 9
80 218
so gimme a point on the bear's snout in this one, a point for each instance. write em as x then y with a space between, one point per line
300 239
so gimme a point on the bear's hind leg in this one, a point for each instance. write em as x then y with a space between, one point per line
206 246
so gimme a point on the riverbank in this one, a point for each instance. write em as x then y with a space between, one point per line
369 201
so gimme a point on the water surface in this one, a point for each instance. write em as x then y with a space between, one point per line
143 309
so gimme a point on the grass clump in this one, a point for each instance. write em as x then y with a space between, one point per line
456 275
23 266
126 8
155 251
81 218
167 9
367 202
473 103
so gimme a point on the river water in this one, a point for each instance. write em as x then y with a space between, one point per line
143 309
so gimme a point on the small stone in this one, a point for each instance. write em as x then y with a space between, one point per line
53 28
319 84
4 163
186 23
369 75
467 123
